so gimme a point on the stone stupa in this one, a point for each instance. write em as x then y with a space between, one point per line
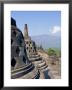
21 67
32 52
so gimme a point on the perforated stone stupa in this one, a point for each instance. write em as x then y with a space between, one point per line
32 52
21 67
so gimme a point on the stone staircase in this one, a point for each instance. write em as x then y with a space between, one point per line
24 72
39 62
31 75
42 66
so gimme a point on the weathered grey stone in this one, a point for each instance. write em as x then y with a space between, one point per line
32 52
20 64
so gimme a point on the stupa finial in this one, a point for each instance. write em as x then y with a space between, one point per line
25 31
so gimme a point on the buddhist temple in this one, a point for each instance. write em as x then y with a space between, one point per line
21 66
32 52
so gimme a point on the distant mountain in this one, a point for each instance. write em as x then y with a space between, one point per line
47 41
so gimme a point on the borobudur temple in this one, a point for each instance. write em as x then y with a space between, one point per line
21 67
32 52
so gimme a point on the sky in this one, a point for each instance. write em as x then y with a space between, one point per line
39 22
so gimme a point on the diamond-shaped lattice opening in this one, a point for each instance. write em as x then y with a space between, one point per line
29 44
24 59
24 50
20 41
13 62
14 32
31 47
17 50
27 48
11 41
33 50
26 42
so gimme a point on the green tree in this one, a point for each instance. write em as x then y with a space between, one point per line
51 52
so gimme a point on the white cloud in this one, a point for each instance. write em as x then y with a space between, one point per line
55 30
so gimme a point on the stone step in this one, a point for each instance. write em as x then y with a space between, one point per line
22 72
22 68
37 76
38 62
32 56
43 67
35 58
41 64
34 74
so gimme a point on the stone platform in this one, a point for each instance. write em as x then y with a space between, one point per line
39 63
26 72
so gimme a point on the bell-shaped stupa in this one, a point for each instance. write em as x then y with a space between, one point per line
21 67
32 52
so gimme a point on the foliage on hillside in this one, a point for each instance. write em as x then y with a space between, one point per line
54 52
51 52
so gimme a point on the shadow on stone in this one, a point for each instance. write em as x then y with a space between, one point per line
46 74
